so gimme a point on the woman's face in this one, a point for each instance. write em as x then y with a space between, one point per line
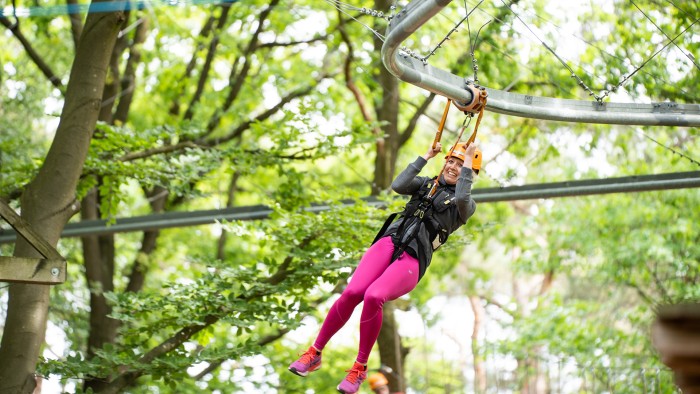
451 172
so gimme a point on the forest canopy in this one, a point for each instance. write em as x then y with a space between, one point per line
128 110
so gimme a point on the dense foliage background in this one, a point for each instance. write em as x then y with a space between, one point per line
287 104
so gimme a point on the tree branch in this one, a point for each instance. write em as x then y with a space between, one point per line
76 22
655 274
547 282
204 75
491 301
40 63
156 151
298 155
261 117
230 200
128 81
236 80
645 297
349 83
410 128
206 29
291 43
157 198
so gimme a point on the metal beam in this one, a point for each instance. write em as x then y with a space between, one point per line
638 183
628 184
49 270
419 73
32 270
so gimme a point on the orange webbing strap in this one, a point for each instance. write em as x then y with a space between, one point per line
438 135
459 137
476 126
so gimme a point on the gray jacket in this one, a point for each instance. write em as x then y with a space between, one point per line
452 206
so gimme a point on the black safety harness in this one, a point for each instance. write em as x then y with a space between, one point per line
416 212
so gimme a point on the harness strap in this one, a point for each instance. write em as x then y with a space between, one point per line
386 225
398 250
421 212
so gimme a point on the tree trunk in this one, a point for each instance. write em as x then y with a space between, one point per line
532 375
391 352
479 371
99 251
49 200
388 114
388 145
158 198
98 256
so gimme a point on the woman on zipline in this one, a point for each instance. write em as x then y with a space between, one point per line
400 254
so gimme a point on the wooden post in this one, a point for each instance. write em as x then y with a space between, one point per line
50 270
676 335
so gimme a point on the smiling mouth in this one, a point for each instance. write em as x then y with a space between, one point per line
451 173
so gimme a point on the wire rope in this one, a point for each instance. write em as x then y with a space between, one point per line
679 8
453 30
510 24
587 42
625 78
569 94
690 159
501 51
606 92
666 35
475 67
341 8
363 10
573 74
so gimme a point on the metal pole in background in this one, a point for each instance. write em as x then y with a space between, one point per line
637 183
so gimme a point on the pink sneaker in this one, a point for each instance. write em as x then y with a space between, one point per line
356 375
308 362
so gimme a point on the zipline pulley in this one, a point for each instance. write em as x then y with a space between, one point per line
478 100
477 105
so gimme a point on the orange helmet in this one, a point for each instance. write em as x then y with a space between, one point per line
377 380
460 152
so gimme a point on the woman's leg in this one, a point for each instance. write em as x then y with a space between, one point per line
373 263
398 279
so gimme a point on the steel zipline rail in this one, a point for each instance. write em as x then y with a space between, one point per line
640 183
419 73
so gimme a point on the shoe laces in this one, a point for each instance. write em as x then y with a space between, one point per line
308 356
355 372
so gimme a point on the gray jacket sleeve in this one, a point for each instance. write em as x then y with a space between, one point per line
463 194
408 181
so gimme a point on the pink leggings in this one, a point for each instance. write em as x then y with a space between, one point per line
375 281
